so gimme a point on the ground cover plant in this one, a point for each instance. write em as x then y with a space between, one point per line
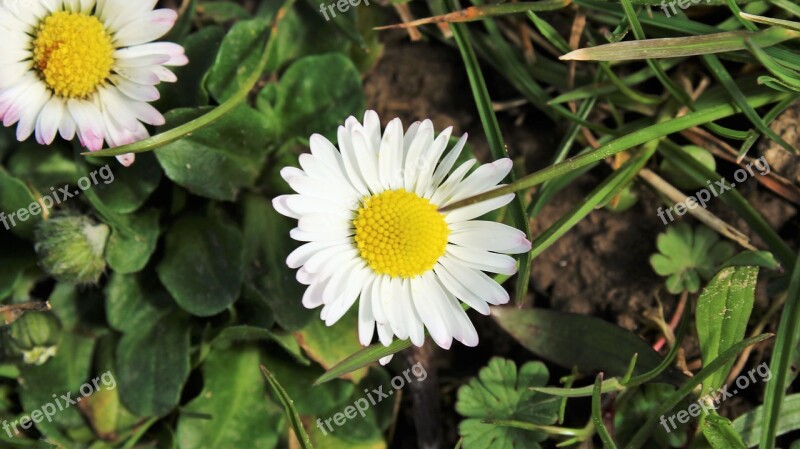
399 224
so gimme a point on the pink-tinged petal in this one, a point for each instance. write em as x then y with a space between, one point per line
146 28
49 120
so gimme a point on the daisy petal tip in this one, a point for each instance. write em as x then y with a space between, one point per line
385 360
126 159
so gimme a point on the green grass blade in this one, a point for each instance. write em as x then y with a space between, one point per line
496 145
289 409
362 358
710 113
675 47
597 415
780 364
640 438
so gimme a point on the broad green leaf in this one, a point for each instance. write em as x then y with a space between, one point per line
133 302
62 375
289 409
749 424
15 197
500 392
267 278
316 95
305 32
235 334
237 58
722 313
637 407
202 265
43 169
190 90
587 343
125 190
222 12
241 415
364 357
152 364
132 242
219 160
16 258
330 345
720 433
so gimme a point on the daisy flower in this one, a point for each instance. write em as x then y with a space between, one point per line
369 214
84 67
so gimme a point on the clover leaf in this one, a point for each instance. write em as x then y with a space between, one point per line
500 392
688 255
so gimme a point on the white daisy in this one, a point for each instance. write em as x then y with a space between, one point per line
369 212
84 67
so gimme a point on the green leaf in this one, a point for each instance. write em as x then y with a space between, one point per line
587 343
267 278
235 334
152 364
749 424
126 190
720 433
676 175
305 32
219 160
722 313
190 91
329 345
289 410
688 255
297 380
63 374
633 412
202 265
133 302
132 242
237 58
15 196
316 95
43 169
233 396
222 12
501 393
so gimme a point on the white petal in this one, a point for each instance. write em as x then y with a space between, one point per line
430 302
302 253
377 304
340 306
489 236
390 156
457 288
323 222
416 330
483 260
49 120
366 320
442 193
135 91
422 141
367 161
428 161
89 121
478 209
312 297
391 292
372 128
326 256
146 28
385 335
476 281
484 178
384 360
350 163
464 331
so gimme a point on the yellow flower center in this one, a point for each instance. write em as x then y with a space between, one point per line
73 53
400 234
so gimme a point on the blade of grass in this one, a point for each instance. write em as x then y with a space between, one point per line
212 116
289 410
362 358
780 364
597 415
640 438
788 24
672 47
495 138
711 112
474 13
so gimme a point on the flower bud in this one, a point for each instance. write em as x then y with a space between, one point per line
36 335
70 248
